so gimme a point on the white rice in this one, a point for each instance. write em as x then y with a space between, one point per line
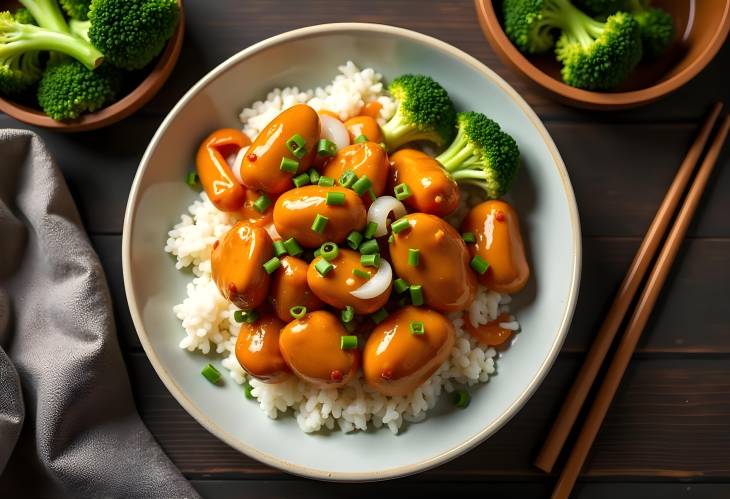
207 318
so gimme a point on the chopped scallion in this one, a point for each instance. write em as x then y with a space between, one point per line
370 229
360 139
325 181
379 316
326 148
295 142
361 273
347 314
247 316
417 328
362 185
402 191
289 165
416 292
323 267
298 311
354 239
469 237
369 247
192 179
348 342
399 225
414 256
400 285
320 222
262 203
314 176
347 179
273 264
461 399
279 248
211 374
329 251
371 260
479 264
248 391
292 247
335 198
301 179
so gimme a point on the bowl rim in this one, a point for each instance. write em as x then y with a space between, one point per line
504 47
397 471
140 95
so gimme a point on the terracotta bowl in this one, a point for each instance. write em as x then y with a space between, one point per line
135 99
702 27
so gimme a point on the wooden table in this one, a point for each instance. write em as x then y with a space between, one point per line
668 431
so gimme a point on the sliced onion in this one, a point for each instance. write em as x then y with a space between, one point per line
377 284
379 211
273 233
334 130
237 162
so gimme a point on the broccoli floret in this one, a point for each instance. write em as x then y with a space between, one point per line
69 89
482 154
600 7
596 55
424 112
20 45
24 16
131 33
76 9
47 14
655 25
531 24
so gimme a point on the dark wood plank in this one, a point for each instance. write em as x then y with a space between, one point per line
294 489
695 294
670 420
217 30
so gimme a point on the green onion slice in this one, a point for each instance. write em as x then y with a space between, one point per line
361 273
289 165
320 222
414 257
279 248
292 247
295 142
370 229
314 176
323 267
361 138
301 179
417 328
262 203
354 239
469 237
248 391
416 292
247 316
399 225
348 342
379 316
211 374
329 251
400 285
348 314
461 399
298 311
325 181
362 185
371 260
272 265
369 247
326 148
347 179
192 179
479 264
335 198
402 191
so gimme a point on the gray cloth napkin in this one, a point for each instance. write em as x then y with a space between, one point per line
68 424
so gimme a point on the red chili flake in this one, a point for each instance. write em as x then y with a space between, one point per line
232 289
216 243
252 157
387 374
500 216
336 375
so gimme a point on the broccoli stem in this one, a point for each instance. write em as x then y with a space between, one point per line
458 154
31 38
47 14
460 175
578 25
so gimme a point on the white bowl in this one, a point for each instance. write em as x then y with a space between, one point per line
309 57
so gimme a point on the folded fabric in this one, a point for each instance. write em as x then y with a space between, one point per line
68 423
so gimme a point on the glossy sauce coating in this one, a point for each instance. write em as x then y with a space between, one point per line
261 165
371 109
365 158
499 242
490 334
289 288
257 349
237 265
396 362
335 287
311 348
296 210
443 269
216 176
364 125
432 190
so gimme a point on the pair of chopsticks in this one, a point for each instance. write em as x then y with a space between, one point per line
630 285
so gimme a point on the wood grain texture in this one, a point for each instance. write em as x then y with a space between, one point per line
670 419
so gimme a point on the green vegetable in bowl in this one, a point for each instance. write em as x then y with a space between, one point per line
424 112
482 154
656 27
20 45
68 89
131 33
600 7
24 16
595 55
47 14
76 9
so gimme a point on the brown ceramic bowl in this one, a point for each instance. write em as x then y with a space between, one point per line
117 111
702 27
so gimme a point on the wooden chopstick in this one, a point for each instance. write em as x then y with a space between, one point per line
594 359
639 318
